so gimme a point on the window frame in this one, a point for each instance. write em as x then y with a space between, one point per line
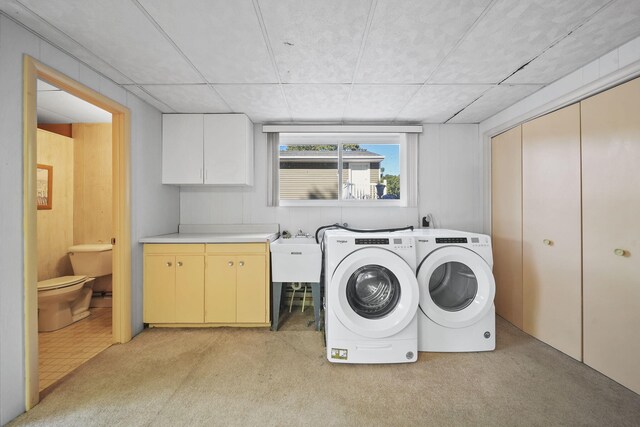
340 139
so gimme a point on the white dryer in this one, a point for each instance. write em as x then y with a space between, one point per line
371 297
457 291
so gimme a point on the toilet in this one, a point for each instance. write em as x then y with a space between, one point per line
94 261
62 301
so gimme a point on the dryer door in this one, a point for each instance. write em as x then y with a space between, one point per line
456 286
374 293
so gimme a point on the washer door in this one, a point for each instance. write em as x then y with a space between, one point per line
456 286
374 293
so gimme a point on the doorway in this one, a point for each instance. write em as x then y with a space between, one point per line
121 252
74 228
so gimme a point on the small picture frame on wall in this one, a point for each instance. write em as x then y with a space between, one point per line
44 184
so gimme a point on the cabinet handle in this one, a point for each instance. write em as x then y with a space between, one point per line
179 263
548 242
620 252
241 263
200 173
168 264
230 263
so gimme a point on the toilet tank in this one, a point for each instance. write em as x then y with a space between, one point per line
93 260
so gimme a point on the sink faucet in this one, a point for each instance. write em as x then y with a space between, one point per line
301 233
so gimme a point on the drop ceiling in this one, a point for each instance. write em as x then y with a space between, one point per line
455 61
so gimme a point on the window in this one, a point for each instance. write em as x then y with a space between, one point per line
340 169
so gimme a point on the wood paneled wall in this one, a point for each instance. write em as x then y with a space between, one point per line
92 211
63 129
55 226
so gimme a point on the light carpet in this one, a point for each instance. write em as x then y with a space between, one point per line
225 376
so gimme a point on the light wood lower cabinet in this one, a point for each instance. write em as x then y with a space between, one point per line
213 284
235 289
611 232
551 230
173 283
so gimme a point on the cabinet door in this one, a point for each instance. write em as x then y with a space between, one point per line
159 289
182 148
252 289
611 234
220 289
228 149
551 230
189 288
506 219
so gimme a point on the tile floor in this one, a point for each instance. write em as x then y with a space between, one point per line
64 350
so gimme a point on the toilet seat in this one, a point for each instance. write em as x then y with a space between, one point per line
60 282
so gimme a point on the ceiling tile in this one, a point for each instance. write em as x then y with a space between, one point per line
221 38
492 102
199 98
510 34
378 102
61 40
315 41
608 29
262 103
119 33
408 39
56 105
146 97
437 103
317 102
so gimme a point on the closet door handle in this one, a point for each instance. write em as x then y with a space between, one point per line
169 264
179 263
620 252
230 263
241 263
548 242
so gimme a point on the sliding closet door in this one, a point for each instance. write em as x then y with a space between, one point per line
551 230
506 223
611 222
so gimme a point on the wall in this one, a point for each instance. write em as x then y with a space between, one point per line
615 67
450 176
154 207
55 225
450 187
93 202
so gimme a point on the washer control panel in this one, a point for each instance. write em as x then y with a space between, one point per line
395 242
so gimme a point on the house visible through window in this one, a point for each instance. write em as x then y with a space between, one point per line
341 168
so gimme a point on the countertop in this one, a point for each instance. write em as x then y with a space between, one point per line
218 233
211 238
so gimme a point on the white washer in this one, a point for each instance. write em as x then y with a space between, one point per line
371 297
457 291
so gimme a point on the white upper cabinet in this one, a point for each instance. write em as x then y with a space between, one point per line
228 149
215 149
182 147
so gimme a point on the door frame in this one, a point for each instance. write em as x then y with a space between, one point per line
121 131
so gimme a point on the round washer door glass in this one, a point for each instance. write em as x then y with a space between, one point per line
373 291
453 286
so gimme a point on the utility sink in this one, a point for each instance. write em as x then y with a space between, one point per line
297 259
